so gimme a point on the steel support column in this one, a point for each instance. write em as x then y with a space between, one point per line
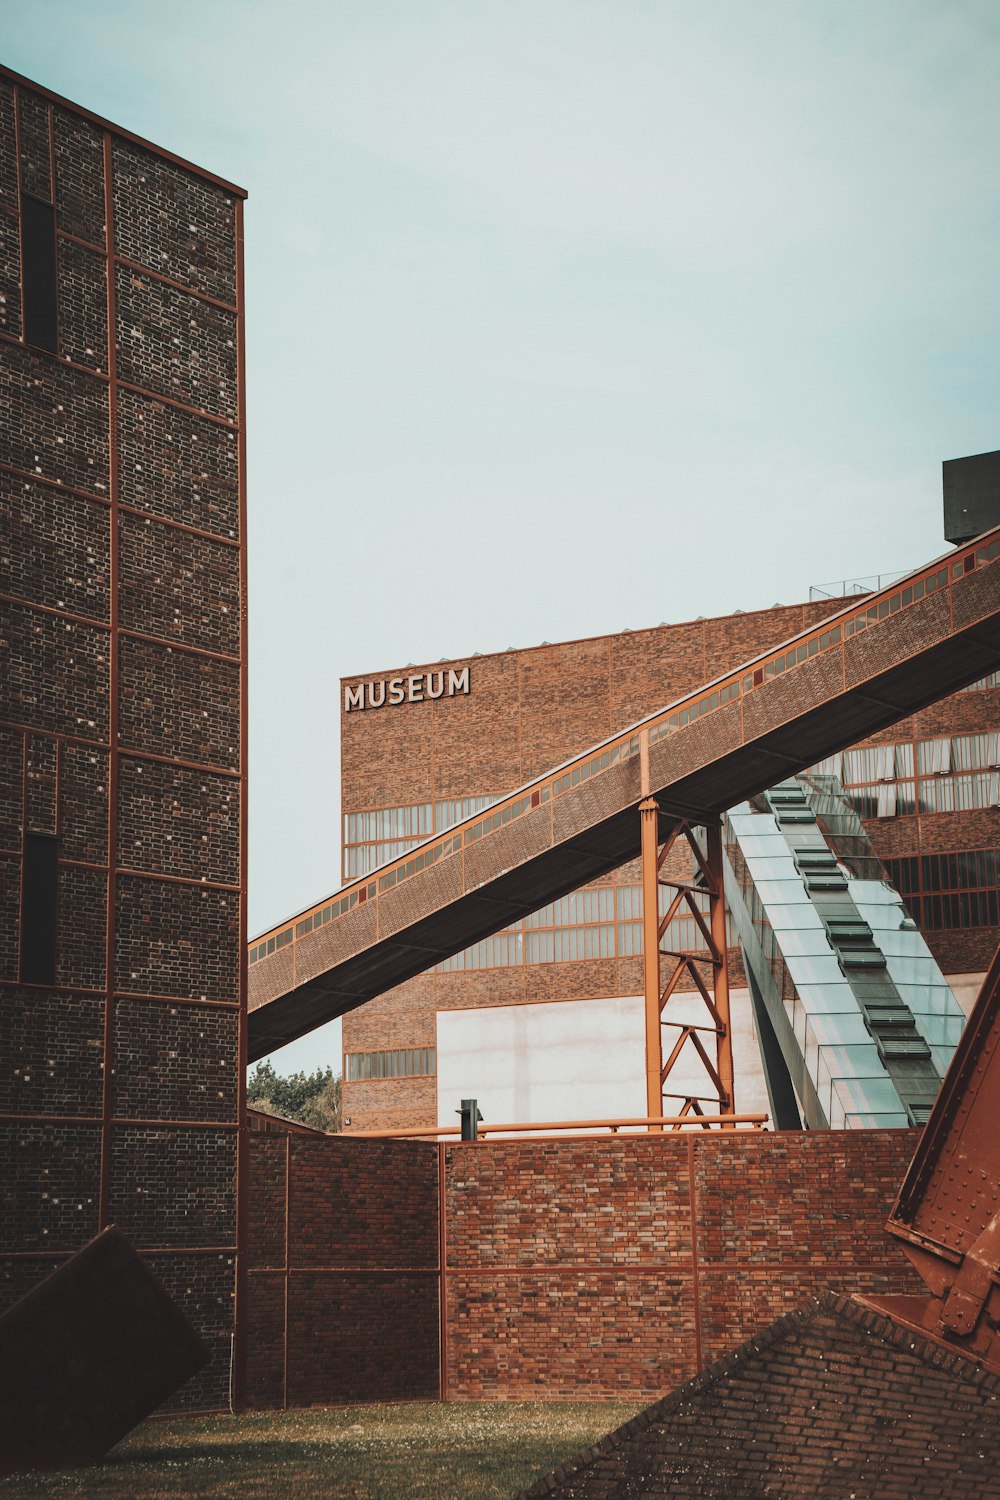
703 964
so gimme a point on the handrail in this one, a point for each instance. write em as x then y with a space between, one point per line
750 675
639 1122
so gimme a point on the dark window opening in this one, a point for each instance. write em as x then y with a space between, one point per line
38 240
38 910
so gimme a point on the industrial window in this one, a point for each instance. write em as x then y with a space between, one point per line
401 1062
38 910
39 275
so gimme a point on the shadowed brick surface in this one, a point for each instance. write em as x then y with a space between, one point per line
832 1401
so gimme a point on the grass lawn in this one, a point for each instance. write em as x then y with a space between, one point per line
420 1451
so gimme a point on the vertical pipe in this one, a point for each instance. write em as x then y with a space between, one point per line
720 968
649 815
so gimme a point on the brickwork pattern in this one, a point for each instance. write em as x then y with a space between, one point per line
183 821
177 586
179 704
148 1135
581 1268
349 1311
61 545
175 464
831 1401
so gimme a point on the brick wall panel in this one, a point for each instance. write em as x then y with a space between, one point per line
11 757
337 1219
809 683
975 595
355 1337
876 649
173 1187
56 548
10 915
175 939
79 153
81 919
590 1335
177 704
596 798
266 1202
649 668
176 465
51 1052
184 822
630 1200
10 276
43 780
203 1287
269 977
53 673
53 419
49 1183
264 1332
8 150
33 119
174 223
422 893
175 1062
370 1105
83 803
573 682
180 587
83 306
175 345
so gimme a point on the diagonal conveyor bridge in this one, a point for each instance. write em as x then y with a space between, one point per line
864 667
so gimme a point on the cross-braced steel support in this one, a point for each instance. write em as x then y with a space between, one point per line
668 961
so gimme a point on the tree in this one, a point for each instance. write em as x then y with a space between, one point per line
311 1098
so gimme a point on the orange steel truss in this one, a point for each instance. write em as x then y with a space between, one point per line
704 965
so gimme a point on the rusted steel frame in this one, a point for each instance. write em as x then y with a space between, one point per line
720 974
649 815
688 964
243 1136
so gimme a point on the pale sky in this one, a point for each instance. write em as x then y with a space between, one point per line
564 316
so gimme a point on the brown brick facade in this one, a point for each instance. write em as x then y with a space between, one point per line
572 1269
121 701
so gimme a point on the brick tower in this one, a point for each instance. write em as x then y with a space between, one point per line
122 709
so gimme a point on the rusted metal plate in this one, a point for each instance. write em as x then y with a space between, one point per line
88 1353
952 1189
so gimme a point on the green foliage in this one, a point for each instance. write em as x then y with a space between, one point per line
312 1098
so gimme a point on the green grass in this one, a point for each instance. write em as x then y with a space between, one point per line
423 1451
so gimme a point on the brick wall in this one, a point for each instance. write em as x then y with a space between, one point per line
573 1269
121 691
343 1283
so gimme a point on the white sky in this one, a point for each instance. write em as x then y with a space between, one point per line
564 316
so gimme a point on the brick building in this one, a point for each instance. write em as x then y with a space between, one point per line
122 704
544 1020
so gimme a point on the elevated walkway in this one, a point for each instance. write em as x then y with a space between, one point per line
866 666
